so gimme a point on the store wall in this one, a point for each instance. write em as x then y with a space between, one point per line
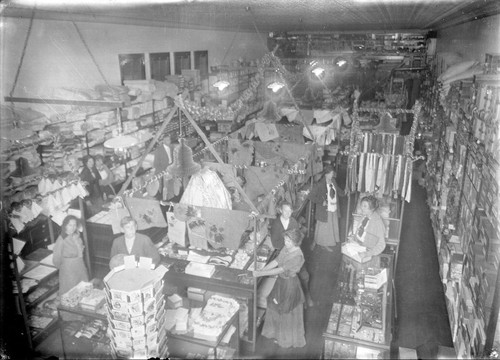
471 40
56 56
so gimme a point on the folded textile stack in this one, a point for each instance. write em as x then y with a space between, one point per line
210 323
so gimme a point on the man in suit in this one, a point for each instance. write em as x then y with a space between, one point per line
163 157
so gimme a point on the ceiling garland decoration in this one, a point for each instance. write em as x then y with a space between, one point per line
218 113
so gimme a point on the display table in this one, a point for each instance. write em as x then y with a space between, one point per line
237 283
360 320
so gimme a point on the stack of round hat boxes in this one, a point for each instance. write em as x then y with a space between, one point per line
136 312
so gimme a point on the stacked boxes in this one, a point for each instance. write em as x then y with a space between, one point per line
136 308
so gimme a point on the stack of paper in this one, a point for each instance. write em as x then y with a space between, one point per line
40 272
198 269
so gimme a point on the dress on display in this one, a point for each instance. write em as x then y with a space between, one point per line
68 258
285 310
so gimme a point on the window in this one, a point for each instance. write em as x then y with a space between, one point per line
201 63
182 61
160 66
132 67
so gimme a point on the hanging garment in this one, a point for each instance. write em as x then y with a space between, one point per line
380 175
408 190
370 172
397 173
390 175
361 175
403 173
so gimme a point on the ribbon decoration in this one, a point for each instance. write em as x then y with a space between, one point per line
205 149
214 113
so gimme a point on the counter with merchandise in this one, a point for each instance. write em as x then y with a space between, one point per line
359 325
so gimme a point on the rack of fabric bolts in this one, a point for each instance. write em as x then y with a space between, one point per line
380 163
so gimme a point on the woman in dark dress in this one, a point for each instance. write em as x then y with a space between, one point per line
91 176
284 320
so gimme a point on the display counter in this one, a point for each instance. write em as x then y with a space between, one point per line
234 279
360 322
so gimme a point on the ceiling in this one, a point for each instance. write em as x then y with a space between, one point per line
264 16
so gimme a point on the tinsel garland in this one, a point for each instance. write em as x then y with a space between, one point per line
214 113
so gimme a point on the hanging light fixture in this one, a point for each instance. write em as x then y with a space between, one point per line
318 71
120 143
340 64
221 84
276 85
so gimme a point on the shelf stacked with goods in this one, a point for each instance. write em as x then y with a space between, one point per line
302 44
469 229
35 282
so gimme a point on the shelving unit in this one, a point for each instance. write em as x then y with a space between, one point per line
32 288
328 43
463 174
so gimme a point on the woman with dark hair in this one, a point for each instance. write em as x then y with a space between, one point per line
325 196
370 234
68 255
91 176
284 320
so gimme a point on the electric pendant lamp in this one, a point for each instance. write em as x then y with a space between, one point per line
183 164
221 85
120 143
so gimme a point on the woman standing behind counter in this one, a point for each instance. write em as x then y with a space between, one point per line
284 320
68 255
